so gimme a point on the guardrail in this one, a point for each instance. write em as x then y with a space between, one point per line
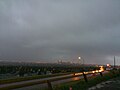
48 82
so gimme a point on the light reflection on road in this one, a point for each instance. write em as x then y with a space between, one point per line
76 78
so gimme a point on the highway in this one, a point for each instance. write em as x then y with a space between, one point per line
35 80
41 86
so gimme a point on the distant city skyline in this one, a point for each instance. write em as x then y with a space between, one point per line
52 30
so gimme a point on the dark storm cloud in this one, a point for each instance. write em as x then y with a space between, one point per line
49 30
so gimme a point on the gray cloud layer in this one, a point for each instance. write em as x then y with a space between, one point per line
47 30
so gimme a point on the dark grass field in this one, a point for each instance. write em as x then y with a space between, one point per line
113 85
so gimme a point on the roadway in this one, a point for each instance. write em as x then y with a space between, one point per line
34 80
41 86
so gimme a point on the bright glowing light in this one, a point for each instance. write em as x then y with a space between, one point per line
101 69
108 65
86 72
78 73
97 71
79 57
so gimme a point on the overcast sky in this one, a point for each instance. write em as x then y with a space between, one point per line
51 30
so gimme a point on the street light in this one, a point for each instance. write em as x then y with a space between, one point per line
114 61
80 58
85 77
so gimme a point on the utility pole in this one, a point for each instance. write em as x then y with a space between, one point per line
114 61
